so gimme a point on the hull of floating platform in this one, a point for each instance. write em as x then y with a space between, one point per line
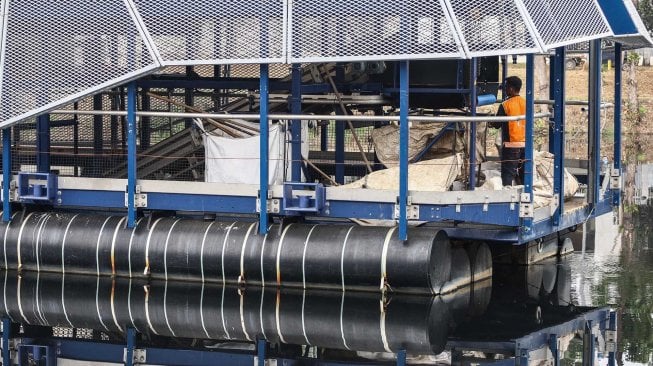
296 255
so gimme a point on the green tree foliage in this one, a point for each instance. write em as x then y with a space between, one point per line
645 8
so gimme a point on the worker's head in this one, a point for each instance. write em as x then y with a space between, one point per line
513 86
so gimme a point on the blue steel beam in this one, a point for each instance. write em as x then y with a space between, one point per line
529 165
263 150
557 135
616 198
340 136
261 345
404 130
131 154
97 125
43 143
594 130
296 125
131 344
401 358
6 335
472 127
6 173
612 326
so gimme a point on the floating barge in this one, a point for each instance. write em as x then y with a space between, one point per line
109 108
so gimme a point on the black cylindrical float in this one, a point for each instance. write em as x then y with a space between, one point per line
353 320
296 255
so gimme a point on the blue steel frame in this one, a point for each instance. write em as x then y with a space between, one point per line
263 150
529 166
594 108
473 127
296 125
43 143
502 214
404 130
131 154
616 195
557 128
6 174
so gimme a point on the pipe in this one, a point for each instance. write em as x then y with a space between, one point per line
327 319
297 255
357 118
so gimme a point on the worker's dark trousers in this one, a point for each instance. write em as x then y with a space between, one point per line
512 165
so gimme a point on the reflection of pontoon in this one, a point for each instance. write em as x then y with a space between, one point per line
88 318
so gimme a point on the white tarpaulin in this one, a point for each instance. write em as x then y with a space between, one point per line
236 160
230 160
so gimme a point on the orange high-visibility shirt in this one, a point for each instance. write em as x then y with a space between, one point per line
516 106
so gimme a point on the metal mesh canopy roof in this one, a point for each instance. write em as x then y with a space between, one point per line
55 52
626 24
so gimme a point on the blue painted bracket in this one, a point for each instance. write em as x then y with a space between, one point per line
303 197
37 187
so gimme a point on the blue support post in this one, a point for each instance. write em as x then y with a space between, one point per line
588 348
612 326
504 75
43 143
6 334
146 122
261 345
553 347
616 196
401 358
594 130
6 173
296 125
131 154
340 135
530 121
131 344
403 149
263 150
188 94
472 127
98 138
522 357
557 130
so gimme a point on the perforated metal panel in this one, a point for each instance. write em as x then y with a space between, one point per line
492 27
336 30
563 22
58 51
188 32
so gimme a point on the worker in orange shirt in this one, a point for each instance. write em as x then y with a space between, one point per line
513 133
